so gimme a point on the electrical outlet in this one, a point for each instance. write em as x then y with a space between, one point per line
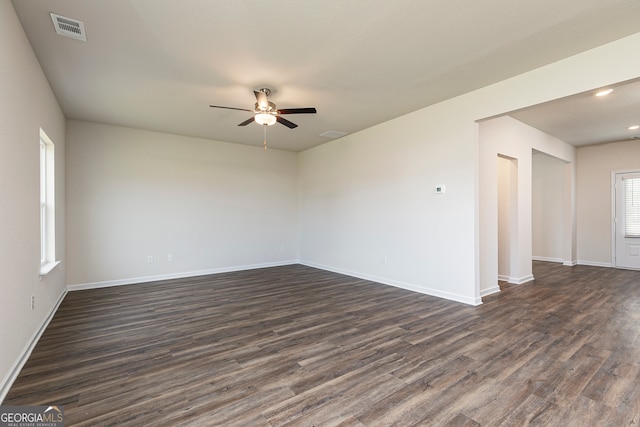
33 302
150 259
383 259
170 257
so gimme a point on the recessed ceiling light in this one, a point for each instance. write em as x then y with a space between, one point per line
604 92
634 127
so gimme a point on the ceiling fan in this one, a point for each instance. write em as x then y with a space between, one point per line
266 113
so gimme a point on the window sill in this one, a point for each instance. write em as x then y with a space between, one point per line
46 269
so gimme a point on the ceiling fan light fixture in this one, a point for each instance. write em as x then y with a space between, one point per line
265 119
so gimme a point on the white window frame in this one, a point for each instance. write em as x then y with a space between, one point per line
47 205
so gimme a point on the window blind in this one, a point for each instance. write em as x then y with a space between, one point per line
632 207
43 202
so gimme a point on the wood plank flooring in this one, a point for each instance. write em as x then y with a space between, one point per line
298 346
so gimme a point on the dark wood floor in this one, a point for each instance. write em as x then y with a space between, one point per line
299 346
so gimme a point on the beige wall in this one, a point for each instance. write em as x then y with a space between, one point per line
212 206
547 205
26 104
367 202
595 166
368 205
507 169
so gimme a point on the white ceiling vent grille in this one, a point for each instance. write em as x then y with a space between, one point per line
333 134
68 27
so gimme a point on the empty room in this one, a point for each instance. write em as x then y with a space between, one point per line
354 213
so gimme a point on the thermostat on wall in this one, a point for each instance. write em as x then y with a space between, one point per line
440 189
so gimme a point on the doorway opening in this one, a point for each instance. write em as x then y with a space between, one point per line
507 217
549 204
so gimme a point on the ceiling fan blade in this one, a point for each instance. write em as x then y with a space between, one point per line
246 122
309 110
286 122
261 97
230 108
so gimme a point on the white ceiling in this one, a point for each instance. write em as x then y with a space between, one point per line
585 119
158 64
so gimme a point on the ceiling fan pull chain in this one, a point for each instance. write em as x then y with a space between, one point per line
265 136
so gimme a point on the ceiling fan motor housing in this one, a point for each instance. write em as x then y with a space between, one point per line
269 108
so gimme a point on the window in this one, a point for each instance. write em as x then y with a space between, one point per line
632 207
47 206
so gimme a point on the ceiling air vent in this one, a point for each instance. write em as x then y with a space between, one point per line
68 27
333 134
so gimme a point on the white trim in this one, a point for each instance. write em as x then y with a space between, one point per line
612 219
515 280
594 263
401 285
47 203
144 279
46 268
17 366
547 259
490 291
520 280
613 211
628 268
558 260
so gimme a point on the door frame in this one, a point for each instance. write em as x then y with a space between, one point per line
613 211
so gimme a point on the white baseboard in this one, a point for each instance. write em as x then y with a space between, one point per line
397 284
14 371
516 280
547 259
520 280
558 260
145 279
594 263
490 291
